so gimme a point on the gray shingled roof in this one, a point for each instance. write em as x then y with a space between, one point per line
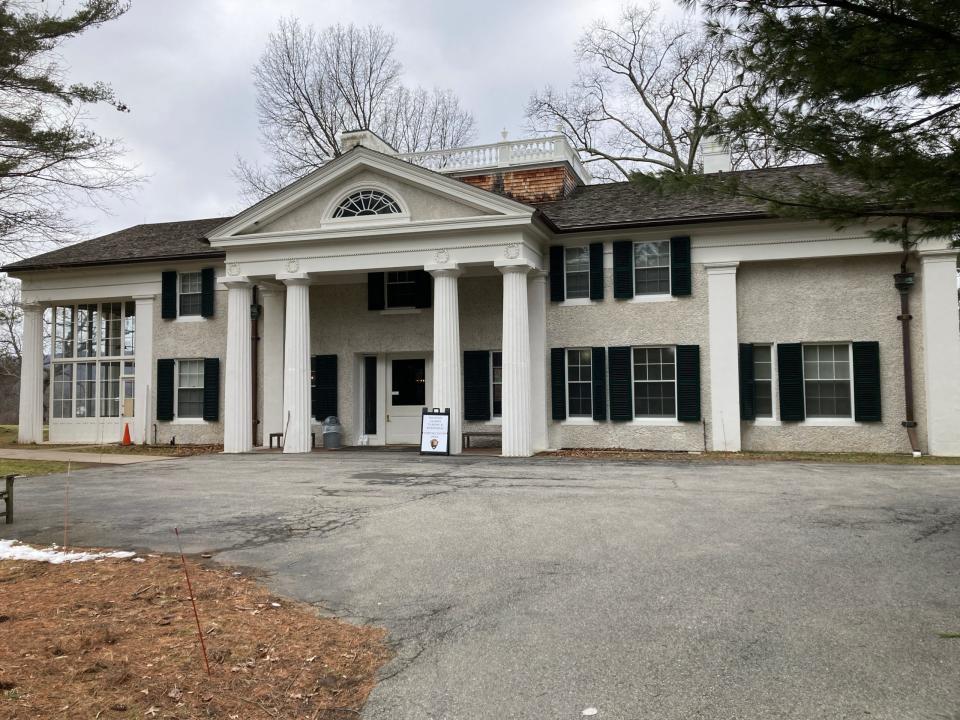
627 204
608 205
140 243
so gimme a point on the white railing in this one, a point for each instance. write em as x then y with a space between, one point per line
509 153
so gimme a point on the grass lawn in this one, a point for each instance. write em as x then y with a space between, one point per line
806 457
37 467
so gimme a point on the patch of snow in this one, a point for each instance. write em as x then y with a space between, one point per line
15 550
589 711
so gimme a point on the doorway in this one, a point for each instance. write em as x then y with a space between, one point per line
408 393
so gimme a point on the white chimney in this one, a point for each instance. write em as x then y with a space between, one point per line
716 155
350 139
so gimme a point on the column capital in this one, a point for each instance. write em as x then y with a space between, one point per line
31 306
291 279
521 265
939 255
728 267
236 282
446 270
144 298
272 288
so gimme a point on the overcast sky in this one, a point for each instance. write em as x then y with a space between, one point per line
183 67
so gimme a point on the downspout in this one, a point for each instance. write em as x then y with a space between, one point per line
903 281
255 339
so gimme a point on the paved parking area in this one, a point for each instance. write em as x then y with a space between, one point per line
539 588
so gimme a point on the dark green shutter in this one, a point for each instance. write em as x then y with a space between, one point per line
211 389
680 280
748 387
866 381
557 279
688 383
168 294
623 269
165 368
476 385
423 297
598 372
370 395
620 363
207 289
376 291
596 271
558 382
323 395
790 381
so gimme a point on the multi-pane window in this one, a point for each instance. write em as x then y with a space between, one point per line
63 390
190 292
110 389
496 382
189 389
651 263
90 376
366 202
577 272
826 380
763 380
86 390
401 289
654 382
579 383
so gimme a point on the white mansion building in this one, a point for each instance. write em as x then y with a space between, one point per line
498 282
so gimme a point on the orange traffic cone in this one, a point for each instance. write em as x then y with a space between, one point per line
126 435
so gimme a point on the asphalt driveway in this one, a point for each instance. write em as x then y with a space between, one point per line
540 588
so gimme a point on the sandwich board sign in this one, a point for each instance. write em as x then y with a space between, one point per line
435 432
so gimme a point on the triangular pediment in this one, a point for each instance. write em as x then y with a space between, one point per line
422 197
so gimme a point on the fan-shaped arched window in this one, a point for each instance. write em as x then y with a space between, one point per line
366 202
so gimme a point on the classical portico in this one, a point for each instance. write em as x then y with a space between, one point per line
303 244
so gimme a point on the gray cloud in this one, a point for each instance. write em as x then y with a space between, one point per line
183 67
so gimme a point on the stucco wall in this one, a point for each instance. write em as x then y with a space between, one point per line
341 324
610 323
835 299
421 204
184 339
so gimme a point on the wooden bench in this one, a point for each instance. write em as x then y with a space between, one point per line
479 433
7 496
279 439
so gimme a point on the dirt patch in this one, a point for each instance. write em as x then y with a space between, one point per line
118 639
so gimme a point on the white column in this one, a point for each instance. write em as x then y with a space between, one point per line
537 301
447 369
296 361
517 425
143 369
941 350
724 357
30 429
237 379
272 342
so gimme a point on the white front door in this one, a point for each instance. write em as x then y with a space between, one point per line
408 393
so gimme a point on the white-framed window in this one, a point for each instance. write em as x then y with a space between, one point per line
651 268
654 382
579 382
92 346
828 381
366 202
189 292
401 289
763 380
496 383
576 272
189 393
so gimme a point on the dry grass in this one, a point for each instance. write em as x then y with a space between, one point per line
747 457
117 639
38 467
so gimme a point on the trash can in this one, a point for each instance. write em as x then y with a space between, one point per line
332 433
